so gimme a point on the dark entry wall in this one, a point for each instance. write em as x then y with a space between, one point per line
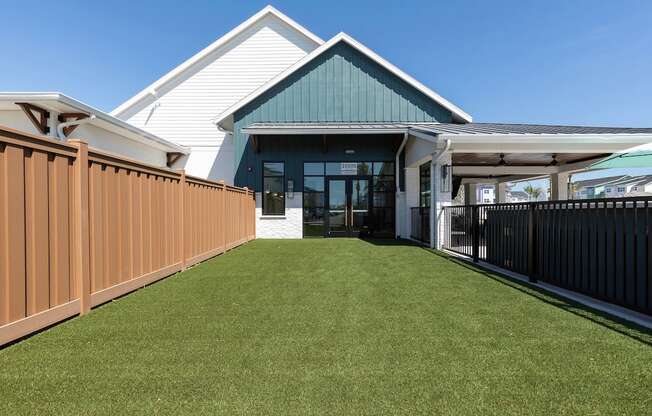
295 150
342 85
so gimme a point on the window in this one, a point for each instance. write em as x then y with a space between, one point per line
384 196
273 188
424 185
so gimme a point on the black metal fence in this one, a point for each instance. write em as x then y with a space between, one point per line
601 248
420 224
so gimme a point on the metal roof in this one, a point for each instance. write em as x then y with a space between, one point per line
504 128
445 128
324 128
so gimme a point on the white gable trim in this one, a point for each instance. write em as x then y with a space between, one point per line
343 37
219 43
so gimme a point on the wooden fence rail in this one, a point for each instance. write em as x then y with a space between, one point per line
79 227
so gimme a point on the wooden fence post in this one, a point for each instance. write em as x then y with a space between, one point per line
224 218
81 238
243 210
253 215
182 225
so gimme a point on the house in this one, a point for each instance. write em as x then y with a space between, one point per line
334 139
61 117
642 187
517 196
337 141
629 186
485 194
595 188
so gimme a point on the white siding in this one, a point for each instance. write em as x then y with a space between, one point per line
17 120
184 110
101 139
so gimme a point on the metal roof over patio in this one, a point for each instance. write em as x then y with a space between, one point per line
492 129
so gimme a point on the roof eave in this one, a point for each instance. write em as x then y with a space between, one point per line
59 97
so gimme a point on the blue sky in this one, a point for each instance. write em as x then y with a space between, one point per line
567 62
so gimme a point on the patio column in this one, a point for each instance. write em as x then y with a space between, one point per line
501 192
470 194
438 200
559 186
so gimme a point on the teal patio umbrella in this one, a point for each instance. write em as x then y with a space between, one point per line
636 157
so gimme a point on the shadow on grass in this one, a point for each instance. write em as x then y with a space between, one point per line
390 242
626 328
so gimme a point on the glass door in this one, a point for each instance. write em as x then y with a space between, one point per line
360 215
348 206
337 206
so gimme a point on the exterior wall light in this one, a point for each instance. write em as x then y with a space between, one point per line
290 188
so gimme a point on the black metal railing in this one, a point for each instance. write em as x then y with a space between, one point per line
420 224
601 248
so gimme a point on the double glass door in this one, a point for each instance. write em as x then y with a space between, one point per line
348 207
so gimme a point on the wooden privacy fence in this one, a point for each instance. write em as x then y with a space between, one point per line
601 248
79 227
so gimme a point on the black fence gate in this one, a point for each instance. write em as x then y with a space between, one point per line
601 248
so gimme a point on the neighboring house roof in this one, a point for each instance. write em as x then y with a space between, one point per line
56 101
632 180
518 194
610 180
458 114
640 180
198 58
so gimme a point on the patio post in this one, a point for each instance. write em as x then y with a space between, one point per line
470 194
501 192
559 186
438 197
433 202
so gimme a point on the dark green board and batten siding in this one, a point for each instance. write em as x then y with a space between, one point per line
340 85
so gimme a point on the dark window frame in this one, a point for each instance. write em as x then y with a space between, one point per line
306 195
425 203
263 187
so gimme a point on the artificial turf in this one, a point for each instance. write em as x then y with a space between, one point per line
332 327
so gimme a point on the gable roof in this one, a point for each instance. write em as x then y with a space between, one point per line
219 43
458 114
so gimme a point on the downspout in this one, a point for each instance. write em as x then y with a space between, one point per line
63 125
434 191
397 214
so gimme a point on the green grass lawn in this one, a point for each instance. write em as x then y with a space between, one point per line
332 327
